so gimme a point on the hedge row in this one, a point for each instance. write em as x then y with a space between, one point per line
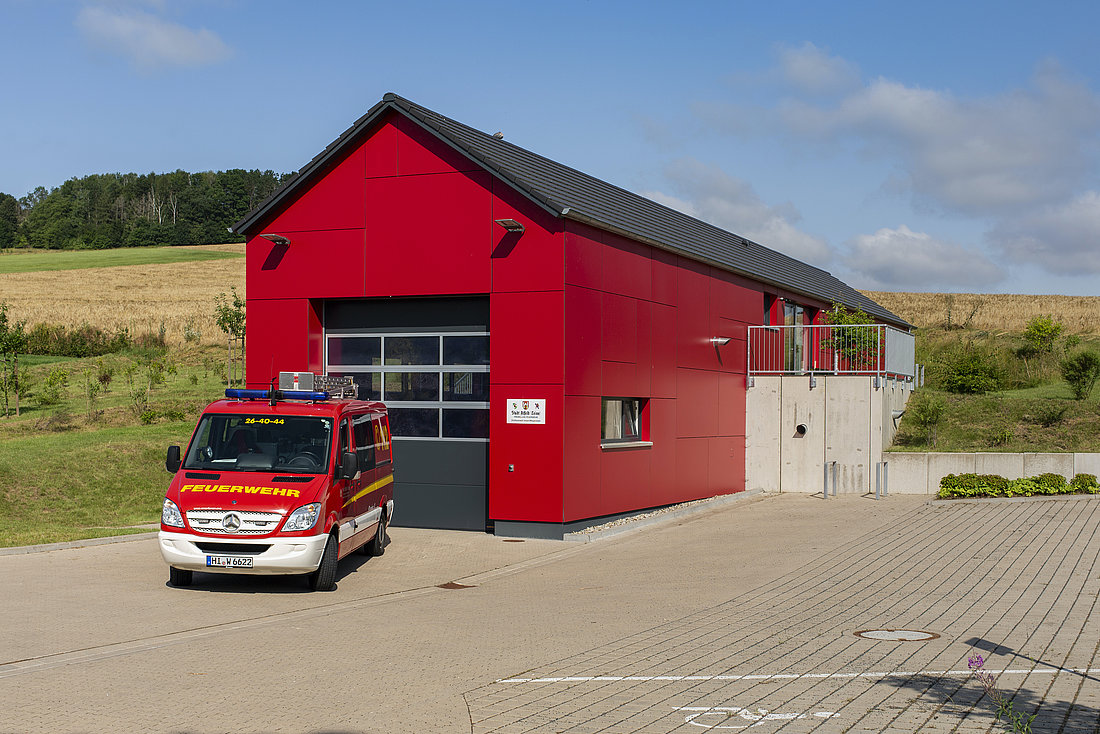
993 485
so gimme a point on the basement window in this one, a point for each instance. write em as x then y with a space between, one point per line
624 422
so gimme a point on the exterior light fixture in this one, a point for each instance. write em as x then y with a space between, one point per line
720 341
277 239
510 224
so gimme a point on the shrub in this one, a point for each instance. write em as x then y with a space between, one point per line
969 372
1050 483
1084 483
53 389
972 485
1041 333
1081 371
926 411
1022 488
1048 415
992 485
81 341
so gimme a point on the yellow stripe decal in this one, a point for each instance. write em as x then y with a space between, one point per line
374 487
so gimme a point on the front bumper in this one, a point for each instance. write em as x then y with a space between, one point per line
282 555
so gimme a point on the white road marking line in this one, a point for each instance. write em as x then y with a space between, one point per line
788 676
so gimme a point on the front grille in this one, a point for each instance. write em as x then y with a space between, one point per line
252 523
293 480
241 549
201 475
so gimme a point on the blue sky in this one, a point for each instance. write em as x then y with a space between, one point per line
939 146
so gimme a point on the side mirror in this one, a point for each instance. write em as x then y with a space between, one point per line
349 465
172 462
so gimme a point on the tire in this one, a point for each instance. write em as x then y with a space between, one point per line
324 578
376 546
179 576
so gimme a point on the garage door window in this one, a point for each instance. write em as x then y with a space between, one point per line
435 385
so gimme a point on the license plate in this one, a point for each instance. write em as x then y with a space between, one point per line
229 561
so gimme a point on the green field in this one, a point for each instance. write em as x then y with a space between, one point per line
79 470
42 260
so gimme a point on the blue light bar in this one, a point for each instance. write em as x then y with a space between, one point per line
240 394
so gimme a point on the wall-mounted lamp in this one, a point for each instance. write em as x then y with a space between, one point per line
720 341
510 224
277 239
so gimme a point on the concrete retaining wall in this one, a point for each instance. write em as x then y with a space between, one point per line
847 419
920 473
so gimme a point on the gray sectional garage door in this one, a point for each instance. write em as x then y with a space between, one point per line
428 360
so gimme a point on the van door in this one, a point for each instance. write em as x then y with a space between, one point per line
344 488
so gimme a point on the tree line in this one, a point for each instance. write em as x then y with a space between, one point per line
109 210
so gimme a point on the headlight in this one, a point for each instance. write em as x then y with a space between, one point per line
303 518
170 514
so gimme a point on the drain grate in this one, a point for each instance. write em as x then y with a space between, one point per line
897 635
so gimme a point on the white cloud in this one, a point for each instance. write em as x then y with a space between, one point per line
708 193
980 156
1062 239
148 41
901 259
811 70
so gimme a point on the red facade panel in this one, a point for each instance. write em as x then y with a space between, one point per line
582 458
380 150
583 260
429 235
268 348
316 264
419 152
583 320
532 490
527 341
335 201
627 267
533 260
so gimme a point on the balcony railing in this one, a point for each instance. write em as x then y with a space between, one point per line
866 349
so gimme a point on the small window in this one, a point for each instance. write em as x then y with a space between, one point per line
364 441
623 420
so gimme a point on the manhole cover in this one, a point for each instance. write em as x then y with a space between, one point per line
897 635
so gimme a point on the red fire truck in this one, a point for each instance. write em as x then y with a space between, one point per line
280 481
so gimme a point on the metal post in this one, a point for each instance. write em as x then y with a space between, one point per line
885 478
835 467
878 480
825 481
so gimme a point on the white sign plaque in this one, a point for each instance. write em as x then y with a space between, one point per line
527 410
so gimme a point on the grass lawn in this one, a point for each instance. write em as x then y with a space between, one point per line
1039 419
42 260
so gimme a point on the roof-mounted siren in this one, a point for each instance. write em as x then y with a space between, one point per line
336 387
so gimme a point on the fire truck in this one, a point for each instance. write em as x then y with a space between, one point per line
280 481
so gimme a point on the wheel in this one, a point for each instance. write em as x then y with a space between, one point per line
376 546
324 578
179 577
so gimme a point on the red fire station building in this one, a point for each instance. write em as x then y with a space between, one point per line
552 348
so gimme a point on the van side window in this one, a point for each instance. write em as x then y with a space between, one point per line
364 441
345 444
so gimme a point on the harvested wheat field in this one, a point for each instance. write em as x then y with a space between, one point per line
136 297
991 312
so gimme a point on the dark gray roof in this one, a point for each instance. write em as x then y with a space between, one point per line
566 192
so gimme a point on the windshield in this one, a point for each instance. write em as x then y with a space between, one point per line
292 444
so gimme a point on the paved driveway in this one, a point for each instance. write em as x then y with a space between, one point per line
741 618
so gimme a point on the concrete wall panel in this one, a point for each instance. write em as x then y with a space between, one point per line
1086 464
1009 466
801 457
908 473
1036 464
940 465
761 431
850 420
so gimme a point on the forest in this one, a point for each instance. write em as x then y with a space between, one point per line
109 210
